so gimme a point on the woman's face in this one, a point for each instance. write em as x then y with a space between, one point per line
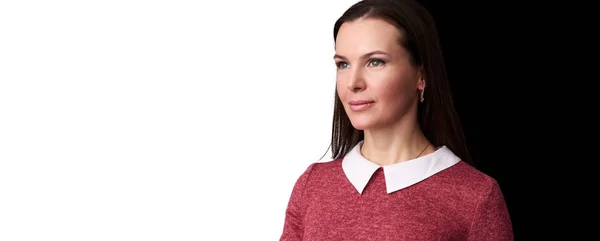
376 82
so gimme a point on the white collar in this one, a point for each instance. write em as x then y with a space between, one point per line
359 170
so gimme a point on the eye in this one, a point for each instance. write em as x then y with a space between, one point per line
376 62
341 65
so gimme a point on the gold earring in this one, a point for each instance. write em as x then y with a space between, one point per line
422 98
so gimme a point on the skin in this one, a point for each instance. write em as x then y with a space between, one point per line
373 66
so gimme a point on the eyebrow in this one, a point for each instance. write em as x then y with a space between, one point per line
364 56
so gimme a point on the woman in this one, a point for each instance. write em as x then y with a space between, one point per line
401 170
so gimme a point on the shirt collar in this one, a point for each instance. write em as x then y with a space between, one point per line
359 170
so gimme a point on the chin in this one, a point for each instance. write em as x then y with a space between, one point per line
363 123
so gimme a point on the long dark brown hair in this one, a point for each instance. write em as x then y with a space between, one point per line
437 116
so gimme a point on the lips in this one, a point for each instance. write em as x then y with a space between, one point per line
361 102
359 105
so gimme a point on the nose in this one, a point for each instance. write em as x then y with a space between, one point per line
356 82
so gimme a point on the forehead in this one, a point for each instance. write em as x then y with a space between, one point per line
366 35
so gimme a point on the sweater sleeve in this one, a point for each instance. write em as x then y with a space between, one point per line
491 220
293 228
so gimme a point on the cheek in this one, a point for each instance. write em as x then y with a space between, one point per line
341 90
393 91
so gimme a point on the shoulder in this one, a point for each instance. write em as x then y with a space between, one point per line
478 197
469 174
319 172
320 169
468 182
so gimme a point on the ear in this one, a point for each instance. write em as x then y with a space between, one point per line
421 80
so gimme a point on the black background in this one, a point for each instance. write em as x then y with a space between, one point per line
492 52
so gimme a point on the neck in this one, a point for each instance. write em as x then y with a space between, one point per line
394 144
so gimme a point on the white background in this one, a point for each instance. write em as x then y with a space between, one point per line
160 120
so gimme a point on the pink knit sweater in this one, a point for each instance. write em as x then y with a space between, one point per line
458 203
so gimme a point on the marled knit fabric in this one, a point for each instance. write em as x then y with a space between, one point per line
458 203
